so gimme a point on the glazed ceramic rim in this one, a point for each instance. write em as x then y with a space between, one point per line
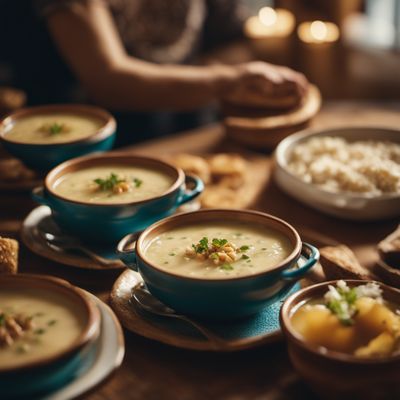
292 336
283 264
282 153
107 129
88 332
115 158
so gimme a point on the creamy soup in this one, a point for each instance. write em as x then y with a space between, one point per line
218 250
35 325
113 184
53 128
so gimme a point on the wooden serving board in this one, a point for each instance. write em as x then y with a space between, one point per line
255 178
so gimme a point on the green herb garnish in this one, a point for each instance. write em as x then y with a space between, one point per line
2 319
202 246
245 257
244 248
56 128
214 256
109 183
226 267
343 305
38 314
22 349
219 242
52 322
138 182
172 254
39 331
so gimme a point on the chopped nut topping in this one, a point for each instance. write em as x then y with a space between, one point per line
219 251
13 327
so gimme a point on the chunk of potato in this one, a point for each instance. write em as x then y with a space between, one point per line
381 346
375 319
318 325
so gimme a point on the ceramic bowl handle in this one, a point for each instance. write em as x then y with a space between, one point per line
126 250
39 195
311 254
191 194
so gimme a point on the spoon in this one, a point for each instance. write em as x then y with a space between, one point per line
146 301
64 242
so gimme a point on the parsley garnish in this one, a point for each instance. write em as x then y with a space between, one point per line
109 183
244 248
55 128
52 322
39 331
219 242
138 182
245 257
226 267
202 246
2 319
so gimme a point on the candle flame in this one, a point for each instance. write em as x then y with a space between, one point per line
319 30
267 16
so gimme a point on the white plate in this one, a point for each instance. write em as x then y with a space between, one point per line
107 356
344 204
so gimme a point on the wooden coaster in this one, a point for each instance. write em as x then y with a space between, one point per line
261 130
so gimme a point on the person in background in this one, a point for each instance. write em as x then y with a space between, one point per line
136 58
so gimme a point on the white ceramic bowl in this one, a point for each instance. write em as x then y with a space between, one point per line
362 207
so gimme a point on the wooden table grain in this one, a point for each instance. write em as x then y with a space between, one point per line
154 371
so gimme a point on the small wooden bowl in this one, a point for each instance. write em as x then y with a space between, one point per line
334 375
260 129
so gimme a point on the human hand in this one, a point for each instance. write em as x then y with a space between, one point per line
263 85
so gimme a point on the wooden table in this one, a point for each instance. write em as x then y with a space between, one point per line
154 371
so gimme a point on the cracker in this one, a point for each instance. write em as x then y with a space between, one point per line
227 164
389 249
219 197
193 164
8 255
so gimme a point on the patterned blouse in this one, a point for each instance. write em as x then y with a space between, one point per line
165 31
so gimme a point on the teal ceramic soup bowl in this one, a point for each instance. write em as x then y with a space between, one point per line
221 298
106 222
45 155
44 373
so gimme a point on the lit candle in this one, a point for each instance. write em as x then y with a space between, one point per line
318 32
269 32
269 23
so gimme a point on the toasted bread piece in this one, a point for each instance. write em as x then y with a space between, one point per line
8 256
339 262
389 249
193 164
12 169
227 164
215 196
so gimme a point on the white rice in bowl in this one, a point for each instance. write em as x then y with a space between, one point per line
336 165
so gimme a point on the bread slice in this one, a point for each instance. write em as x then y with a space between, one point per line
339 262
8 256
389 249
